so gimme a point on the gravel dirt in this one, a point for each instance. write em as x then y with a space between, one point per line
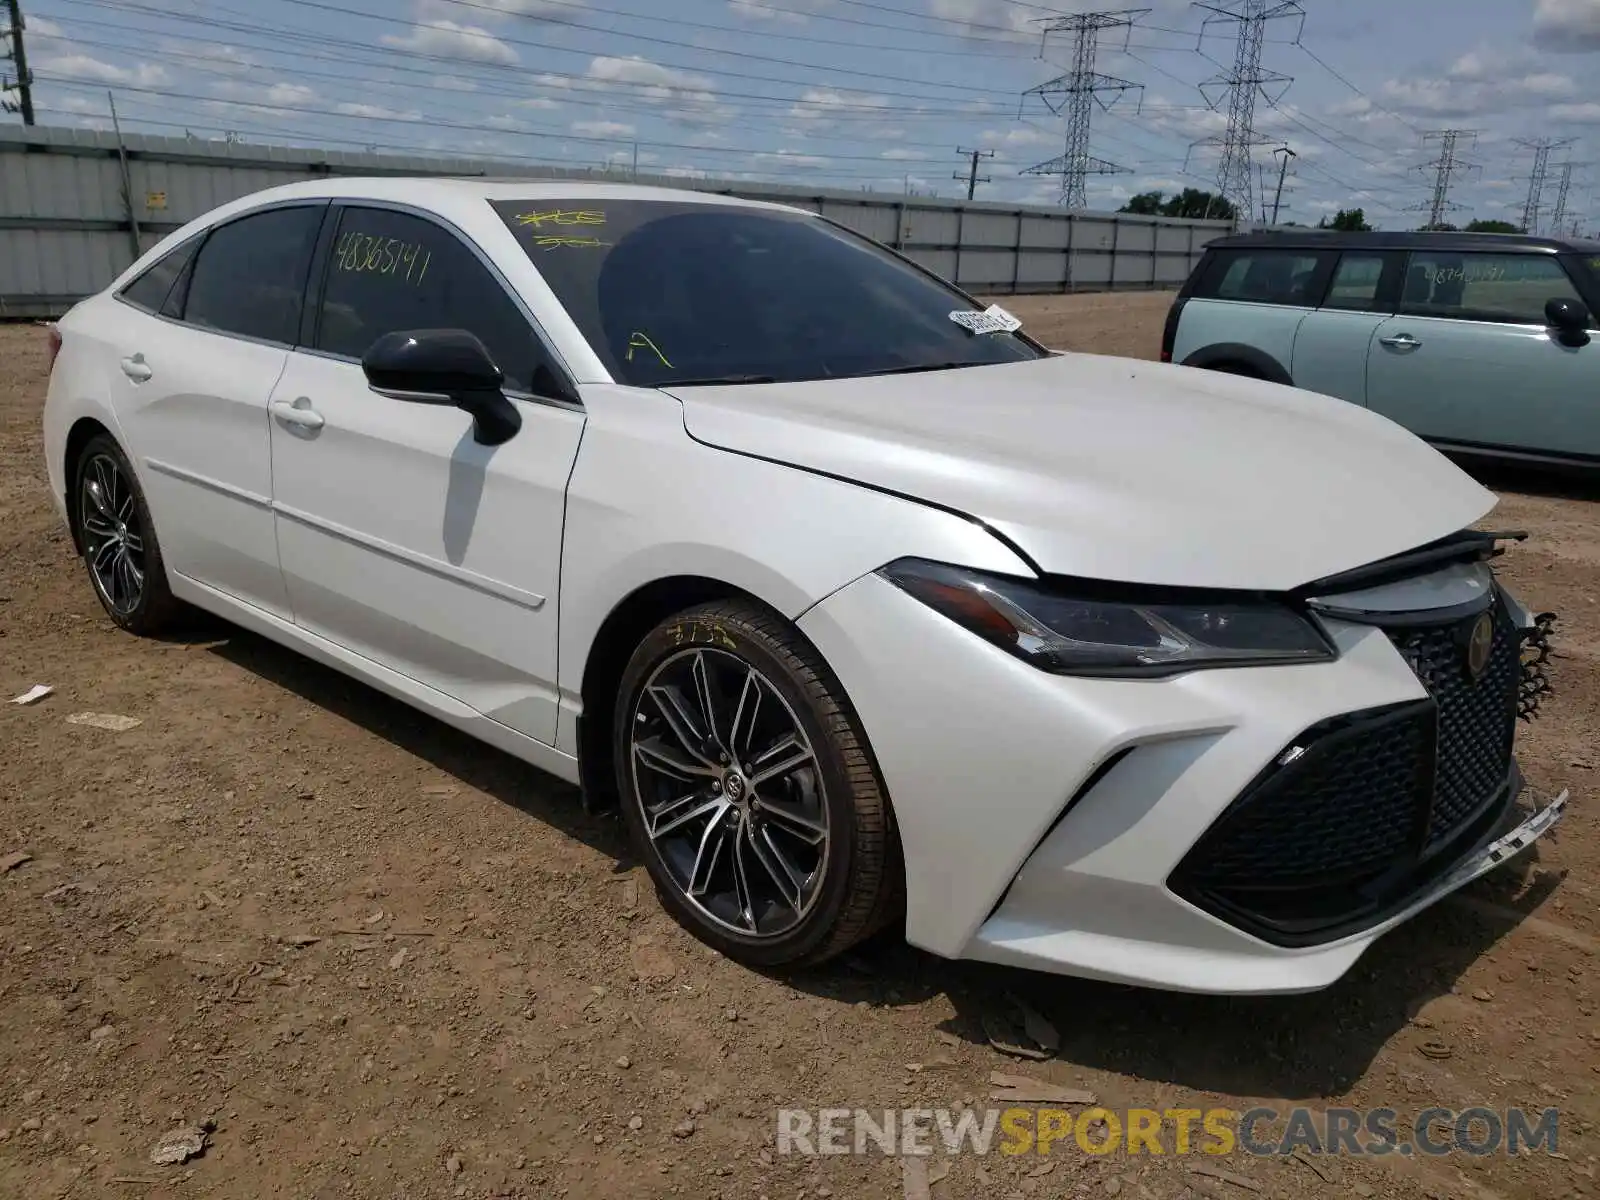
344 951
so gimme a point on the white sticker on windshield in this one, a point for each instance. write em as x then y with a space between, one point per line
993 319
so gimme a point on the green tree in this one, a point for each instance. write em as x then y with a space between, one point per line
1145 204
1191 203
1492 227
1346 220
1441 227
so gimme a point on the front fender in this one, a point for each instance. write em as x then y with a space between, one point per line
647 502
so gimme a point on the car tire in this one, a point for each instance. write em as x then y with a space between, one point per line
117 538
787 858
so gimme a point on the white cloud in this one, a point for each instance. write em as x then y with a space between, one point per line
793 158
83 66
376 111
603 129
825 103
1567 25
540 10
452 40
659 82
40 27
541 103
791 12
900 153
1585 114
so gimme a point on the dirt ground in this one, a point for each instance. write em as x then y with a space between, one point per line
387 961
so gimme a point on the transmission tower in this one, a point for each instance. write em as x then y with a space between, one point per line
1444 169
1558 215
1076 93
1541 148
1242 85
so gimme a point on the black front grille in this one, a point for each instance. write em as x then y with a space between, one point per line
1477 717
1359 812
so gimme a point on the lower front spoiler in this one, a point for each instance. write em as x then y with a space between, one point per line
1252 966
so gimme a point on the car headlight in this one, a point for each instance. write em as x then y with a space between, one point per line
1088 635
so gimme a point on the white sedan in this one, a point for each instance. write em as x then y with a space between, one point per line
864 607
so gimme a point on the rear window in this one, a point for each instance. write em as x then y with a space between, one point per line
149 291
671 292
1263 277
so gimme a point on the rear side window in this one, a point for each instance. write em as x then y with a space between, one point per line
1355 282
390 271
1263 277
149 291
250 275
1510 289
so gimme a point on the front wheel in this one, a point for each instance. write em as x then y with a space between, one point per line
748 791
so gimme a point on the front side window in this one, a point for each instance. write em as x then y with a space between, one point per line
391 271
149 291
1355 282
1265 277
250 275
1507 288
680 292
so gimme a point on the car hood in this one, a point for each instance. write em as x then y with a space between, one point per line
1117 469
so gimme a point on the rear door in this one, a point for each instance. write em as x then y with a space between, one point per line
191 382
1330 346
1469 361
1247 305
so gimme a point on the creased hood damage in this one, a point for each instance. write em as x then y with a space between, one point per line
1115 469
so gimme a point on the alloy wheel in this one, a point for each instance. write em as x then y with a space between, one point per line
113 537
730 791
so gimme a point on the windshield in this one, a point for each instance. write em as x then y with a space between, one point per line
670 292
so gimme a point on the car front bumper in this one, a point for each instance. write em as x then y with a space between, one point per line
1044 818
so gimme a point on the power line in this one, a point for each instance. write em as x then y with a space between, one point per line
1082 88
18 54
972 178
1242 84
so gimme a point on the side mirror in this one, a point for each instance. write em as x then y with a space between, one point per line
444 366
1569 319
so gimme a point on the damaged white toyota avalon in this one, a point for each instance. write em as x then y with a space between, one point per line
866 609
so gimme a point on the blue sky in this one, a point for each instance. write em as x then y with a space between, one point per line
872 94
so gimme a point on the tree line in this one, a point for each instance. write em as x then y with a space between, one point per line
1196 204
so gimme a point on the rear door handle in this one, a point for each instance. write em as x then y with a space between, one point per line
135 368
299 413
1401 341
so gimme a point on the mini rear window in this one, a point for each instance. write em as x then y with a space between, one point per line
1263 277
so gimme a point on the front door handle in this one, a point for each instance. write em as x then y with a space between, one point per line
1400 341
135 368
299 413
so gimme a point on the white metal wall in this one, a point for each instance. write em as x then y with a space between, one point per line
66 228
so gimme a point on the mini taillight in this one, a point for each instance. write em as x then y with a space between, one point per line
55 347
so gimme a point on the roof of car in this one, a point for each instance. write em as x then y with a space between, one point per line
1299 239
432 191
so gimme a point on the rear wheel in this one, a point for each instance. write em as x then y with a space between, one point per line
748 791
118 540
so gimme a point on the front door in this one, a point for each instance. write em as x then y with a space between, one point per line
402 538
1470 362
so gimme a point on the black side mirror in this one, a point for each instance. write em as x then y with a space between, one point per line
1569 319
444 366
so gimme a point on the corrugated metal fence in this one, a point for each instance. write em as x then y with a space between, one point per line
74 206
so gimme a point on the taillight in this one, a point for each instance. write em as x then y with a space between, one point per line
55 347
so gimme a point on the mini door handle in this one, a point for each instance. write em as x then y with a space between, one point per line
1401 341
136 369
298 413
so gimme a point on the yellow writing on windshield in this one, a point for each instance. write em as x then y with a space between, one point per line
562 216
641 341
551 241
